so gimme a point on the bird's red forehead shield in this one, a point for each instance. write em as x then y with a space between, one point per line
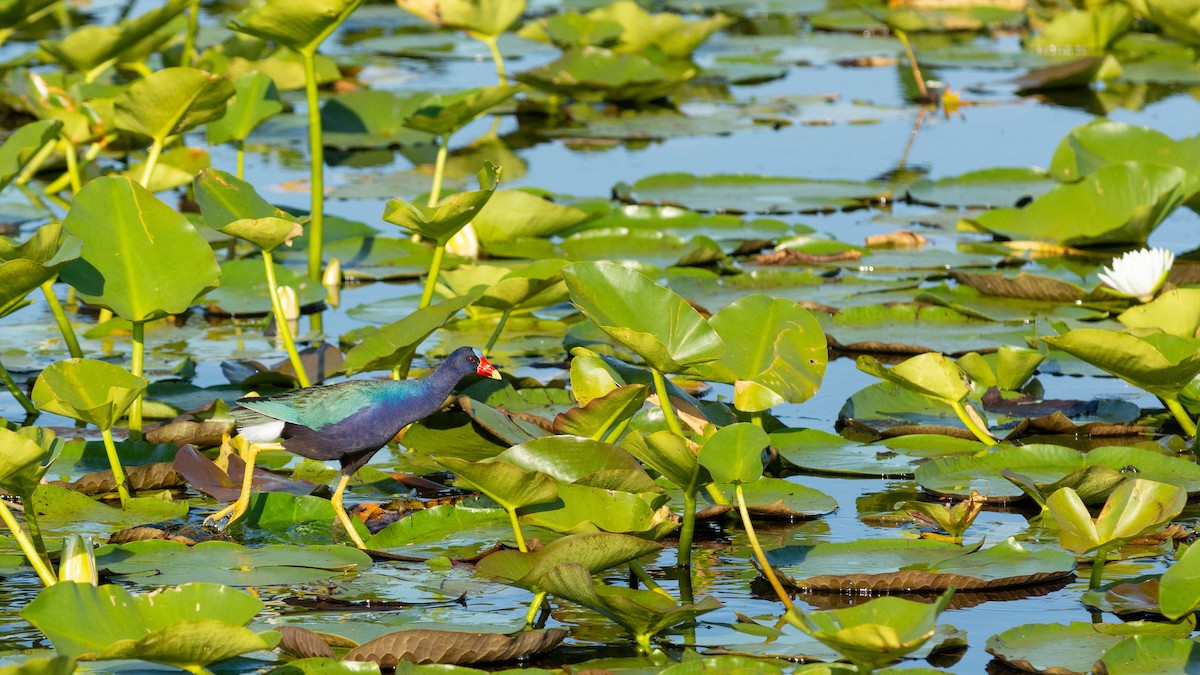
487 370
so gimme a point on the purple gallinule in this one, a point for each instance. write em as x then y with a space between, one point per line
348 421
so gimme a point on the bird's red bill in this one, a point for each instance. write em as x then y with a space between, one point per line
487 370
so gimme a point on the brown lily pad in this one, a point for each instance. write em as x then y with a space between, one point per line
303 643
156 476
208 478
423 645
1134 597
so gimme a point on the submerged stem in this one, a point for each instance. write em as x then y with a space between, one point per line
114 461
758 552
31 554
281 323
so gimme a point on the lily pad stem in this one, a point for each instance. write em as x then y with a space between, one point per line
439 170
31 554
435 266
756 418
487 349
1181 416
534 606
316 153
616 431
156 149
11 385
980 433
660 387
240 149
1097 569
687 529
35 530
60 317
758 552
189 38
137 366
114 461
643 642
35 163
645 578
68 151
516 526
497 58
912 61
281 323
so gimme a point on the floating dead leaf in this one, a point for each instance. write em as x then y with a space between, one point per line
132 534
303 643
439 646
869 62
792 257
179 431
1023 286
157 476
897 239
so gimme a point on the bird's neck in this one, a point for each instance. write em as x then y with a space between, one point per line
441 383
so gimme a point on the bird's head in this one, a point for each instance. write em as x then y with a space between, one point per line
482 366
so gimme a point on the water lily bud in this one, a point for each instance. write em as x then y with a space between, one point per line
289 302
465 243
333 274
1139 274
332 281
78 561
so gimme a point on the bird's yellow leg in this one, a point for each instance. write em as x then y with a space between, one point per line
341 511
248 451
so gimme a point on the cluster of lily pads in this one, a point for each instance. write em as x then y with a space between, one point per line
657 301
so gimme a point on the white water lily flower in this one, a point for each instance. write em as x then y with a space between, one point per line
1139 274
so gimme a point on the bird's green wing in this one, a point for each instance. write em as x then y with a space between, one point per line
317 407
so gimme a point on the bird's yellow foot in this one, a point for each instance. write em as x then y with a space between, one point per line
249 452
341 512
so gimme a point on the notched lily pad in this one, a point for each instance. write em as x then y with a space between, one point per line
915 565
421 645
739 193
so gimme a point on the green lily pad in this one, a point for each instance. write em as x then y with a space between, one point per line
187 626
908 565
1151 654
1119 203
88 390
617 299
730 193
169 563
1070 648
651 248
513 214
1176 311
821 452
597 551
1046 464
1162 364
782 498
987 188
243 289
584 461
1179 590
371 118
59 508
1135 508
876 632
1088 147
592 73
